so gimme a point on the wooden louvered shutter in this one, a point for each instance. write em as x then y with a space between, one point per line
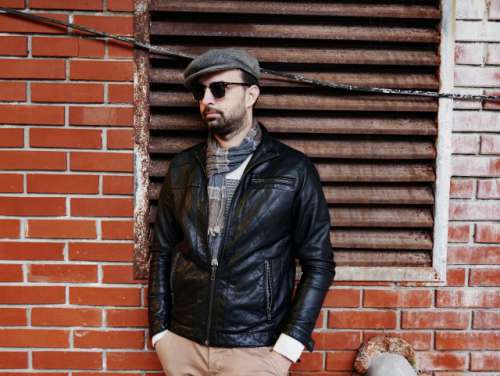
375 153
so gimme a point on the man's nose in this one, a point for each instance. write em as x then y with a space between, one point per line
208 97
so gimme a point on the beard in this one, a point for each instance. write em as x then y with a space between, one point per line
224 124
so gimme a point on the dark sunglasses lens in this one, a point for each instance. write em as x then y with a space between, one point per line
218 89
198 92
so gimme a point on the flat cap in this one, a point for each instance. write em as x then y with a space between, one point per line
219 60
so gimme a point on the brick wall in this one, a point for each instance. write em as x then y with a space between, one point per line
68 302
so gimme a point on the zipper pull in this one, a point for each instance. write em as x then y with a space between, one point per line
214 263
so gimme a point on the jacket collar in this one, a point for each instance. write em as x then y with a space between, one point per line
266 149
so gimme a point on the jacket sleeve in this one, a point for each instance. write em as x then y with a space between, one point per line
312 247
167 233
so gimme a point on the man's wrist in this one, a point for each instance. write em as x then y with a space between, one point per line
289 347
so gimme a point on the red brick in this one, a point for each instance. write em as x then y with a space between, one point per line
62 273
133 360
120 139
109 339
490 144
487 232
458 232
101 116
309 362
67 360
11 45
118 185
13 3
62 229
101 70
11 137
112 162
465 143
119 230
121 93
121 5
362 319
41 316
340 360
102 207
475 166
455 277
16 24
435 320
11 273
32 206
468 340
37 69
34 338
32 294
337 340
484 277
475 210
67 92
31 250
32 115
345 298
441 361
67 183
62 4
462 188
397 298
11 183
419 340
127 318
12 317
65 138
105 296
101 251
119 274
467 298
67 47
9 228
488 189
474 255
13 91
485 361
13 359
118 49
486 320
120 25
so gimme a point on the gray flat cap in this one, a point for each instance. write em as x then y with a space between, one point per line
219 60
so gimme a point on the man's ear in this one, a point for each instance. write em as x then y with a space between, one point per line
253 93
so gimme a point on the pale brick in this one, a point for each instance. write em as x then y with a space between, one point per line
488 188
475 166
492 104
475 121
469 53
465 144
487 233
462 188
475 210
470 9
490 144
477 31
468 104
477 76
494 10
493 54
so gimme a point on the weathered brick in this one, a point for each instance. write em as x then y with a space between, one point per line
109 339
132 360
102 251
484 277
488 188
455 277
477 31
475 210
490 144
348 340
477 76
469 53
62 273
465 144
470 9
494 10
486 320
418 339
435 320
487 233
469 340
474 255
397 298
493 54
489 361
474 121
429 361
475 166
101 116
344 298
458 232
463 298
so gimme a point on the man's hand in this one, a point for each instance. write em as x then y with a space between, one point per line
281 362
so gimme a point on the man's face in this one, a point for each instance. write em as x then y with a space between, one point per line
225 116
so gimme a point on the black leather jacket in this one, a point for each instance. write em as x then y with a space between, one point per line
278 214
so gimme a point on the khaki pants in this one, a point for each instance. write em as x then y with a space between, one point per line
180 356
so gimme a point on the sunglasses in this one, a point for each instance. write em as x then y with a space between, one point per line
218 89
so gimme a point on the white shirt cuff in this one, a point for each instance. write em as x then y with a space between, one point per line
288 347
157 337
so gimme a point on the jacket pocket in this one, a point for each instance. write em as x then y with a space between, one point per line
278 182
268 283
172 275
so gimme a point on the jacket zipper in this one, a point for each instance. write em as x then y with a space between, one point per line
269 291
214 261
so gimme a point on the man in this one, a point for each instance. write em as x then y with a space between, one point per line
233 215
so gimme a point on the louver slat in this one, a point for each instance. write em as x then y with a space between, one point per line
375 154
